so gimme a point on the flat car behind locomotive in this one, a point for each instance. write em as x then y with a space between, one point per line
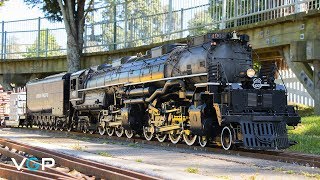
203 91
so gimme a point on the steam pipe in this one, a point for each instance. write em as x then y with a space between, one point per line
158 92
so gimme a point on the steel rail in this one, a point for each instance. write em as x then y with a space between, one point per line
51 172
84 166
11 172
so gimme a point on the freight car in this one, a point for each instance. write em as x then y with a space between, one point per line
202 91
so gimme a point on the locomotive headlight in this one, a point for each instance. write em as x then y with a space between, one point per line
251 73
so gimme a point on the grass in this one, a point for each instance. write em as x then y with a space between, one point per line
77 147
139 160
105 154
192 170
224 177
307 134
304 110
316 176
134 145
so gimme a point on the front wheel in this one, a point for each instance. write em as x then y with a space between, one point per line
227 138
202 141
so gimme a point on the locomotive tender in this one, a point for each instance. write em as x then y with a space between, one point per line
203 91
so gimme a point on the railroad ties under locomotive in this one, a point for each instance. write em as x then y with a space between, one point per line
203 91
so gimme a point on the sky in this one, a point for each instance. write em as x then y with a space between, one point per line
17 9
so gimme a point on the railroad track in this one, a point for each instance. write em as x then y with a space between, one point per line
281 156
88 169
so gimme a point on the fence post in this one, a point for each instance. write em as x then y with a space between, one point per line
131 32
235 12
85 44
181 23
296 7
5 45
224 14
2 40
39 34
125 23
115 26
170 19
46 42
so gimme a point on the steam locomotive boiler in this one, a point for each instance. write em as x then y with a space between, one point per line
203 91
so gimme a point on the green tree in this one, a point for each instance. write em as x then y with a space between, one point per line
201 23
2 2
48 46
136 22
73 14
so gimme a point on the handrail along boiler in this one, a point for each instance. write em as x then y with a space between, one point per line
202 91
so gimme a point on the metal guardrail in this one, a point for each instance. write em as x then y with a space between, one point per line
131 23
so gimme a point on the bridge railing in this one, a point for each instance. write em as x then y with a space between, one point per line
297 94
131 23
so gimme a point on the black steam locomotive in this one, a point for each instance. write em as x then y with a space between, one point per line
202 91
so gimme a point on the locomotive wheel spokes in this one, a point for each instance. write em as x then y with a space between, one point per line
101 130
189 139
202 141
119 131
129 133
174 137
110 131
147 134
226 138
161 137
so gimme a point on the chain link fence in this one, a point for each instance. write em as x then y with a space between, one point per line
131 23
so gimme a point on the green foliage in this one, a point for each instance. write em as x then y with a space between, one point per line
50 8
47 43
307 134
2 2
256 65
106 154
141 24
304 110
192 170
199 24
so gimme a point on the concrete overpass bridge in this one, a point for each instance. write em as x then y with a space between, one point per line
285 33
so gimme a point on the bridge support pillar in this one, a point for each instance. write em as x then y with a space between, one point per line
296 58
316 75
4 83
